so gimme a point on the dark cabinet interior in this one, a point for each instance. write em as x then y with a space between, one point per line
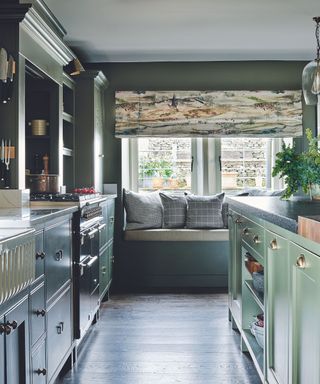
42 103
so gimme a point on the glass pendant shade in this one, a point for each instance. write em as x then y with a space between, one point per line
315 89
310 76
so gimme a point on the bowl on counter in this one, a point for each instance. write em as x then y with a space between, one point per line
258 332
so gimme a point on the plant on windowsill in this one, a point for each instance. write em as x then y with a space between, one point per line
300 170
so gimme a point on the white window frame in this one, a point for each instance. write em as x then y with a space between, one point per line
206 175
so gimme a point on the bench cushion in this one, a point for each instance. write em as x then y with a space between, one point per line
177 235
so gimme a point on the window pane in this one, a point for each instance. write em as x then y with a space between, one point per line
245 162
164 164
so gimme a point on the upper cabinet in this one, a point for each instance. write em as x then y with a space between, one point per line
89 115
33 120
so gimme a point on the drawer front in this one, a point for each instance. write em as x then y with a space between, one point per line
58 256
253 235
38 365
38 313
40 255
59 331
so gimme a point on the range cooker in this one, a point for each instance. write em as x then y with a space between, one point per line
87 224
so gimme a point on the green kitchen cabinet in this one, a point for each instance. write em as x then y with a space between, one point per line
278 288
305 274
234 271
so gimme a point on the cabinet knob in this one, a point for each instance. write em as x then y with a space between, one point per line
238 221
301 262
13 324
273 244
60 328
41 312
40 255
256 239
42 371
245 231
5 328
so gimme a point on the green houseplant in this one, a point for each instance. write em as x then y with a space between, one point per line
299 170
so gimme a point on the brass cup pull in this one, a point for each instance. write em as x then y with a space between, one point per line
301 262
13 324
42 371
245 231
59 255
273 244
40 312
256 239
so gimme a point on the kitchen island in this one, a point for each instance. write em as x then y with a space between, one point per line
263 233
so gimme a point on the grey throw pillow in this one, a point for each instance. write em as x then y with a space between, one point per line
174 210
204 211
144 210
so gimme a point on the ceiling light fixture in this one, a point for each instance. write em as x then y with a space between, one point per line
311 73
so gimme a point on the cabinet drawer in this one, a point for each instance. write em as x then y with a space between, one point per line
253 235
38 365
37 305
40 255
59 331
57 242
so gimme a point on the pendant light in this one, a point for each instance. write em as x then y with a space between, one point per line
311 73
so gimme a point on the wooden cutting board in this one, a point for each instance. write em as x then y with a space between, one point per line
309 227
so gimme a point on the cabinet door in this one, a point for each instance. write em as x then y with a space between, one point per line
58 331
104 271
111 262
111 207
17 345
2 371
235 266
277 308
58 256
305 269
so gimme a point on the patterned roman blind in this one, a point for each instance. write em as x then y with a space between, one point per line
208 113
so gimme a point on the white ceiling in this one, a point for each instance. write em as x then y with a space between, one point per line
189 30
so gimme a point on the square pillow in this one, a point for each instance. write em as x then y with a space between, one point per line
174 210
204 211
144 210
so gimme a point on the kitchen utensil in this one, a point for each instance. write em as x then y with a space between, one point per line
7 153
38 127
11 72
42 183
3 73
45 159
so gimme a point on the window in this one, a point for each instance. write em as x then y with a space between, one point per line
164 164
227 164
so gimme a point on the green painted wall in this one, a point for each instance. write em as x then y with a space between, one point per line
266 75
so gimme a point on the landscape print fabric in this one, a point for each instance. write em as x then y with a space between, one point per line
208 113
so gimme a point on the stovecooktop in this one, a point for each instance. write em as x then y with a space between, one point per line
63 197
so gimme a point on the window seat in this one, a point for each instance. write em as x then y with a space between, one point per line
177 235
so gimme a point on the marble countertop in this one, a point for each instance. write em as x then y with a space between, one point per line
28 217
283 213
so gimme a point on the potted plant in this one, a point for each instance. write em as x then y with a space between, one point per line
299 170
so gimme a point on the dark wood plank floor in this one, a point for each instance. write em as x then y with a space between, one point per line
164 339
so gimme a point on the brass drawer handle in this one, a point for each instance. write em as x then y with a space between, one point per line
13 324
273 244
256 239
301 262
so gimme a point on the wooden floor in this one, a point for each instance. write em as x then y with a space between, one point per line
163 339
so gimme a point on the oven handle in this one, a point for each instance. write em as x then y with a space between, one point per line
93 232
101 226
93 259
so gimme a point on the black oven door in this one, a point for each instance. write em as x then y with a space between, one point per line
88 278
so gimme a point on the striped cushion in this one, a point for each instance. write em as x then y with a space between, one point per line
144 210
174 210
205 211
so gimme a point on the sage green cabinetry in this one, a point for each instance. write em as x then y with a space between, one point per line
278 290
89 115
305 270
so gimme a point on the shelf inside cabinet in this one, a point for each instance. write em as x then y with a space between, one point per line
67 151
255 350
258 297
38 137
67 117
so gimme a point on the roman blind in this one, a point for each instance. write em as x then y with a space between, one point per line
208 113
